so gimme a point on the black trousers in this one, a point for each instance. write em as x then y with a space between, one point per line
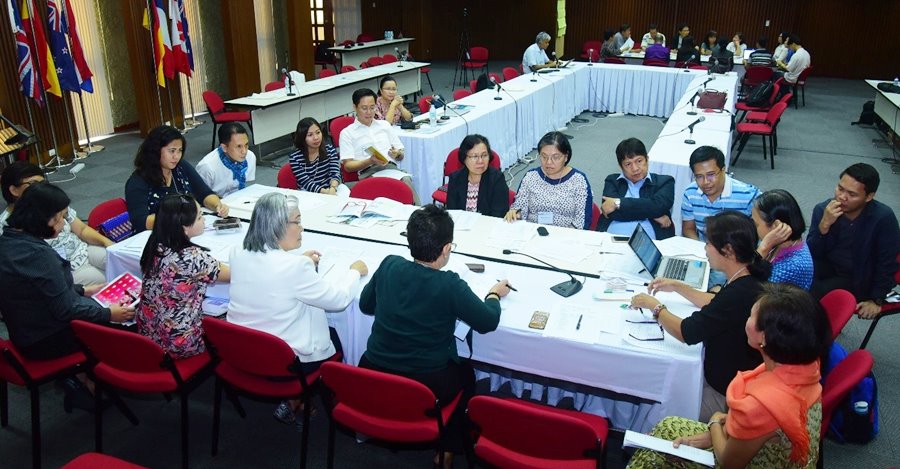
58 345
445 383
309 367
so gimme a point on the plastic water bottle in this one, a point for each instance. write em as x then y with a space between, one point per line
432 114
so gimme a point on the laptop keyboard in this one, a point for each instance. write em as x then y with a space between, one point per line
676 269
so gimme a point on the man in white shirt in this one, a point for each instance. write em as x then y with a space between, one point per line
799 62
366 132
653 37
535 57
232 164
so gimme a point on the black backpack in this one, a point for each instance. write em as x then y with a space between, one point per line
867 116
761 95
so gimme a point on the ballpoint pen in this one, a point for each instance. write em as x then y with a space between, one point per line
578 326
509 286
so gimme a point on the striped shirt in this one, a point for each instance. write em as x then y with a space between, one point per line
736 195
317 175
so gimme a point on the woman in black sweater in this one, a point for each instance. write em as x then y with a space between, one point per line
478 186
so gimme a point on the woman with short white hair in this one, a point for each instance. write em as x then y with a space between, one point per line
278 291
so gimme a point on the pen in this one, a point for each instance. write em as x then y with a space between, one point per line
510 286
578 326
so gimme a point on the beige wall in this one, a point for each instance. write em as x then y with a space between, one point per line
213 39
121 91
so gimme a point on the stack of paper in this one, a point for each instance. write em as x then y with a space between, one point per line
697 455
463 220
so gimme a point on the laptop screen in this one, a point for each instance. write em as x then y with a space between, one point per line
642 245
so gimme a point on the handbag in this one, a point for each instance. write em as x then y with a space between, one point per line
712 99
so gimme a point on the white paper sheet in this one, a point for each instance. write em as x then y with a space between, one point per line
390 173
463 220
640 440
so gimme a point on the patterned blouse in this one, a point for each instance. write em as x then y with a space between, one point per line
793 265
568 199
472 197
68 245
170 311
381 109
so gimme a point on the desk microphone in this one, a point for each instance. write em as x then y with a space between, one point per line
693 111
494 81
564 289
439 100
690 140
445 117
533 76
707 81
290 79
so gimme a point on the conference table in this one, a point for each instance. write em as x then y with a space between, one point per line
358 53
275 114
650 379
637 58
887 105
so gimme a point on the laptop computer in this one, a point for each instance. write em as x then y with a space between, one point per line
689 271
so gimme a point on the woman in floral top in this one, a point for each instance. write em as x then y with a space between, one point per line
176 275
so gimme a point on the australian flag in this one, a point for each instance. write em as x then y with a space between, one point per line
73 71
27 73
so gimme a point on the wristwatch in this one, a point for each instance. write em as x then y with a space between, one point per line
657 309
618 203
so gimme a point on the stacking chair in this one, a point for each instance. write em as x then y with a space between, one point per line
374 187
839 306
595 216
363 37
389 58
384 407
31 374
656 63
260 366
347 68
613 60
106 210
338 124
516 433
219 115
776 89
375 61
424 104
838 384
97 460
887 309
473 86
801 83
274 85
326 72
512 197
509 73
460 94
756 75
594 46
451 165
286 179
763 129
496 77
760 116
477 59
133 363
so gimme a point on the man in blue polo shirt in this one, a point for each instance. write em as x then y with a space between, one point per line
712 191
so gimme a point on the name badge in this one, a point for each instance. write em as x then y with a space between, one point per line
545 218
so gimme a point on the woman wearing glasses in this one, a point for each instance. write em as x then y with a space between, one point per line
554 193
731 248
276 291
477 186
177 273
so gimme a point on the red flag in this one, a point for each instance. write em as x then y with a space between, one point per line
81 66
35 32
162 45
179 48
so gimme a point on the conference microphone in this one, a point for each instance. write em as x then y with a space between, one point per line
564 289
494 81
707 81
590 57
439 100
693 111
690 139
290 91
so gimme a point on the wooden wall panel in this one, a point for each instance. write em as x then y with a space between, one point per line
300 44
241 54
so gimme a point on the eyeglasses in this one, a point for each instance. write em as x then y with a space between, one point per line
554 158
708 176
481 157
644 320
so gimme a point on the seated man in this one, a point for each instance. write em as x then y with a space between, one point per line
683 31
657 50
535 57
635 196
653 37
798 61
366 132
622 38
232 165
854 240
761 57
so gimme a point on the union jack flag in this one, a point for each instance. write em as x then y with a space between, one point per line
27 75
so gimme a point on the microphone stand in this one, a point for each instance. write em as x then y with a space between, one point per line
563 289
690 139
290 84
590 57
498 97
444 116
533 75
693 111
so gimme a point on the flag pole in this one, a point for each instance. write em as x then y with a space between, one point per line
150 12
37 66
37 141
90 148
193 121
66 102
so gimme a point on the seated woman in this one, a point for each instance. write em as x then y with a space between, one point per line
416 306
176 275
37 294
160 170
731 248
317 168
296 297
477 186
609 48
711 45
737 45
688 53
389 105
775 410
554 193
81 245
636 196
780 226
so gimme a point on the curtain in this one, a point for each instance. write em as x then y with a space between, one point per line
97 110
347 20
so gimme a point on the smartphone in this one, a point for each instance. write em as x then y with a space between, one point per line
620 239
539 320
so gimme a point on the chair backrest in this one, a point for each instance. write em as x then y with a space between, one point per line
509 73
363 37
347 68
801 79
656 63
105 211
473 85
374 187
613 60
274 85
841 380
375 61
786 98
249 350
424 104
348 42
460 94
594 46
595 216
839 306
775 113
496 77
478 54
697 67
118 349
757 75
388 58
452 164
399 405
326 72
364 65
286 179
511 429
213 102
337 125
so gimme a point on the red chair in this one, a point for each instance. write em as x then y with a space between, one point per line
325 57
742 106
363 37
425 104
681 64
452 165
389 58
595 216
274 85
326 72
135 364
763 129
385 407
477 59
337 125
31 374
516 433
760 116
460 94
364 65
260 366
106 210
286 179
887 309
754 76
348 42
838 384
347 68
593 46
509 73
473 86
219 115
656 63
697 67
496 77
512 197
374 187
375 61
839 306
801 83
613 60
95 460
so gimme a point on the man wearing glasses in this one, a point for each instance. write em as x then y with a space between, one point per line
712 191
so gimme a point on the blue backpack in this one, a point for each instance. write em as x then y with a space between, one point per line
846 425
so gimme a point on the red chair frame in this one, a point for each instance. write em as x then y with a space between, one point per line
337 125
460 94
842 378
286 179
374 187
839 306
326 72
763 129
801 83
274 85
478 59
106 210
219 115
452 165
887 309
509 73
